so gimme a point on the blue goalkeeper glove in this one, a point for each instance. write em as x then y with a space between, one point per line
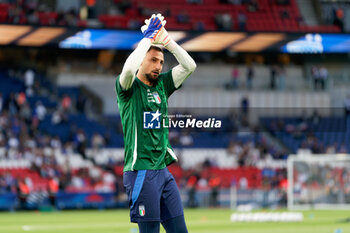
162 36
153 28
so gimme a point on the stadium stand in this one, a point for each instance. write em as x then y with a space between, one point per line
317 134
48 138
209 15
277 17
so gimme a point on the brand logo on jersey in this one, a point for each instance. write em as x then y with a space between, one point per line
142 210
151 120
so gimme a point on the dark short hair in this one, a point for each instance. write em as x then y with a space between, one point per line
157 48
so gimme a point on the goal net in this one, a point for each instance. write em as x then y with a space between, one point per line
319 181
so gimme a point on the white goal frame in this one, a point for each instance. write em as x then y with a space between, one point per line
309 158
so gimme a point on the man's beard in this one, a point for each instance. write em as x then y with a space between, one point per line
151 79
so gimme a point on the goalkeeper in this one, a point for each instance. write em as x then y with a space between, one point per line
143 92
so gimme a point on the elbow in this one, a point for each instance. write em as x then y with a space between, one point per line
127 73
192 66
126 79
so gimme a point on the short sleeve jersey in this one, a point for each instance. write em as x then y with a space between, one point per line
142 110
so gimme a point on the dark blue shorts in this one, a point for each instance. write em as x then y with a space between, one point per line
153 195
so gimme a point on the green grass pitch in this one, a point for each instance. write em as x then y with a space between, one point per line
198 221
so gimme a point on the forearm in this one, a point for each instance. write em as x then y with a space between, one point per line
186 64
133 62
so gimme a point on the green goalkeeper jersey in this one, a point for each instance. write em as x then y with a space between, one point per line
142 109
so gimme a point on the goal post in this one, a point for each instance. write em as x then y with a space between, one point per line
319 181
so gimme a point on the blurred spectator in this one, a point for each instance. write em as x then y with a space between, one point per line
29 76
33 17
106 184
11 104
224 21
282 77
330 149
253 5
97 141
81 143
342 149
250 77
80 103
235 78
186 139
12 141
38 90
1 102
134 24
56 118
15 14
183 17
315 73
339 18
323 73
243 183
66 104
284 14
234 148
26 113
235 2
68 5
59 117
91 5
7 183
107 138
347 105
199 26
192 190
273 74
21 99
245 106
174 137
242 21
214 184
123 5
315 118
195 1
77 182
56 143
142 10
40 110
320 77
69 18
283 2
53 189
2 140
23 191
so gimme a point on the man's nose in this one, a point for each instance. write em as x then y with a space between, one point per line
159 66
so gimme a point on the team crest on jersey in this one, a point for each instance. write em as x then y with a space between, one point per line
157 97
142 210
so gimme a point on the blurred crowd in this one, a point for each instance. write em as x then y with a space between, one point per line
33 12
303 131
75 13
23 139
